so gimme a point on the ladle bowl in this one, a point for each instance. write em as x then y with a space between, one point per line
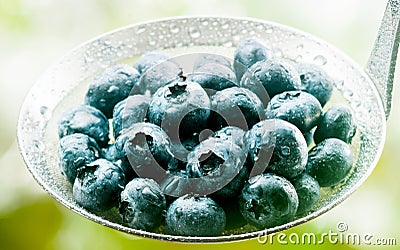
63 85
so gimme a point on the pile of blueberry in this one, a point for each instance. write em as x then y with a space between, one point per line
224 146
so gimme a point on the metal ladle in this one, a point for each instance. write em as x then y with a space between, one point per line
367 91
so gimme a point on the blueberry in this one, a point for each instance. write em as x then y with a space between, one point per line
142 204
129 111
268 200
195 216
299 108
277 146
315 81
150 59
330 161
213 77
307 189
157 76
337 122
111 87
98 185
248 52
75 151
206 58
86 120
235 107
147 146
223 163
180 107
272 76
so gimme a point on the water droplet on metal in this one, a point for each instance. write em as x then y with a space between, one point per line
174 28
45 112
140 30
300 47
225 26
320 60
194 32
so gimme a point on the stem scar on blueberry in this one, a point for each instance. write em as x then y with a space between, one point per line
176 90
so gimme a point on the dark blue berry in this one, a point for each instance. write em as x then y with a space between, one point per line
307 189
180 108
315 81
206 58
337 122
129 111
277 146
85 120
75 151
268 200
156 77
235 107
147 147
98 185
111 87
330 161
213 77
222 163
142 205
195 216
249 52
150 59
297 107
269 78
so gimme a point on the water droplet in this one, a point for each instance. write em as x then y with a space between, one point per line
285 151
298 58
140 30
45 112
300 47
108 175
227 43
320 60
194 32
356 103
275 105
348 94
205 23
174 28
152 42
340 83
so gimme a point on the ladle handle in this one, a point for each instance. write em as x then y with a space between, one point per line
382 61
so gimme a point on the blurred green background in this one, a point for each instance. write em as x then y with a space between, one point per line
36 33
